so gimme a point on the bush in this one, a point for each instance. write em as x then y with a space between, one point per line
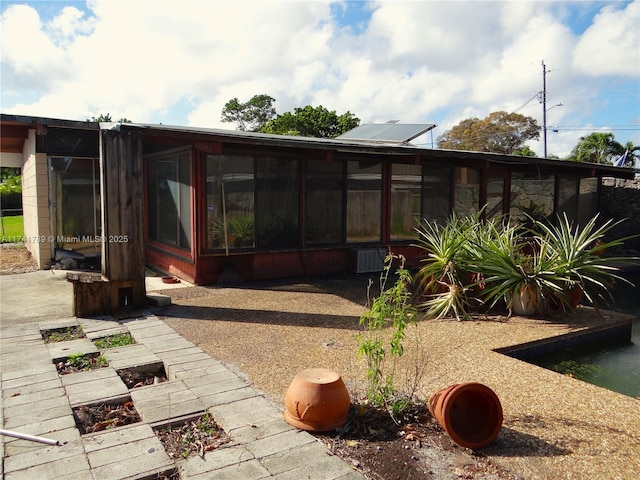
11 193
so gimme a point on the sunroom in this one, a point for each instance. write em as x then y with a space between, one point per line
239 206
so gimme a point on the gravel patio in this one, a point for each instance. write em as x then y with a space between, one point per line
554 426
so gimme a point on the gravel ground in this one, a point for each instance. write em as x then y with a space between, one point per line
16 259
555 426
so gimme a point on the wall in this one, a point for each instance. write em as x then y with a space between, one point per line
35 202
621 199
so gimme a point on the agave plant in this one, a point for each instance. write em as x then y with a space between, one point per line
523 277
578 253
445 272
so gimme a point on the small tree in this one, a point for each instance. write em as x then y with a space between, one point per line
385 324
251 115
312 122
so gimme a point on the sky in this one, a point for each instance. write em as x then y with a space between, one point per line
178 62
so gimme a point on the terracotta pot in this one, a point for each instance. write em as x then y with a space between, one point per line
525 304
575 296
317 400
470 413
170 280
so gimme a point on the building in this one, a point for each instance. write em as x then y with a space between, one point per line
208 205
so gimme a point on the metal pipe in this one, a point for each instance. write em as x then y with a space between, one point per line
31 438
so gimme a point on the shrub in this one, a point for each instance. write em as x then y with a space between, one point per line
385 323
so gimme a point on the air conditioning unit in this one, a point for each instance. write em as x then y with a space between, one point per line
367 260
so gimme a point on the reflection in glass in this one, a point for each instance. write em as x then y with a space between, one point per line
467 192
277 201
532 195
170 198
364 201
230 209
324 203
406 181
436 194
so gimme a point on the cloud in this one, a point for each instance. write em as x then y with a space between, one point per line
432 62
610 45
31 61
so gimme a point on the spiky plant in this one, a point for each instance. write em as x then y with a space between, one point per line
579 256
512 269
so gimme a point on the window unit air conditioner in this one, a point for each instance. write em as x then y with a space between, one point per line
368 260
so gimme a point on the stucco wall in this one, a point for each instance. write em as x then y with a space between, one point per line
35 202
621 199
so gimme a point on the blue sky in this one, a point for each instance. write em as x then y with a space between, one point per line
178 62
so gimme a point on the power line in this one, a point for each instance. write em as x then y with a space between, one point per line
569 127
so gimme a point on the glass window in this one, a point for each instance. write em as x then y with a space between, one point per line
533 195
364 201
467 192
568 196
436 194
75 191
324 203
588 200
277 202
406 181
495 197
170 198
230 202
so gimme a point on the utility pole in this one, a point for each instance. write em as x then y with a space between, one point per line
544 107
543 100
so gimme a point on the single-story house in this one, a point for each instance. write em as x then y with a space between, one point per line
210 205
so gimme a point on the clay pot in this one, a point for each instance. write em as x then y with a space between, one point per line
170 280
317 400
575 296
527 303
470 413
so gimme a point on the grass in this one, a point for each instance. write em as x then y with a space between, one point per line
78 362
12 229
62 334
113 341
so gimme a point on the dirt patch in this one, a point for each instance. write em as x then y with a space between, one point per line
135 377
81 363
16 259
195 437
62 334
410 446
104 416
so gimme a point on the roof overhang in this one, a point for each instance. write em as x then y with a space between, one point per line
14 130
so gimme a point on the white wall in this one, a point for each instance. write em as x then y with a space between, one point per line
35 202
13 160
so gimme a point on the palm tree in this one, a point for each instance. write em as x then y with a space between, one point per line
633 154
597 147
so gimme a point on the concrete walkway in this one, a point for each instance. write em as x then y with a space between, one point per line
36 400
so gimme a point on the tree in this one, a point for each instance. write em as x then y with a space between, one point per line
500 132
312 122
9 172
525 152
633 153
106 118
597 147
251 115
